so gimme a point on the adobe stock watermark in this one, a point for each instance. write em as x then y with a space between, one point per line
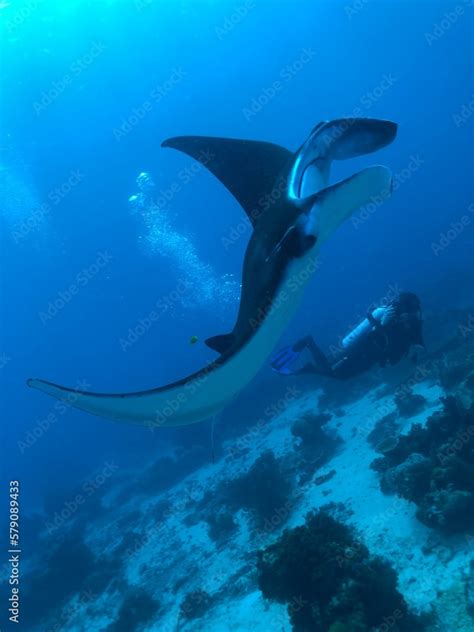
88 488
448 20
42 426
286 74
377 522
143 4
21 15
398 179
239 13
184 177
75 69
355 8
82 278
366 102
187 496
72 610
389 621
364 429
145 323
246 441
288 291
156 95
278 517
178 400
280 621
462 117
455 445
264 203
38 215
456 228
4 360
372 96
424 372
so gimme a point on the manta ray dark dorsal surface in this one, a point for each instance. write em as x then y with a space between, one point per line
249 169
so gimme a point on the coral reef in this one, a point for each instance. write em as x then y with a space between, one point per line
469 589
434 468
329 580
137 609
263 490
385 432
324 478
309 429
68 569
455 361
452 609
450 510
221 525
410 479
314 444
195 605
452 373
409 403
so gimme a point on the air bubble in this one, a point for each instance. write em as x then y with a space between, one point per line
207 288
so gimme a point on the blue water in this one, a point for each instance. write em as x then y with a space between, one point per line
89 92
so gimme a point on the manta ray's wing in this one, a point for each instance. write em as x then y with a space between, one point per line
221 343
249 169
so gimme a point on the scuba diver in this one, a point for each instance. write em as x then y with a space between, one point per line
385 336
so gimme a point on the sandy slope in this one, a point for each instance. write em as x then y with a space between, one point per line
171 559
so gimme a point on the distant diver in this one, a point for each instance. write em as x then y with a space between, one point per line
293 212
385 336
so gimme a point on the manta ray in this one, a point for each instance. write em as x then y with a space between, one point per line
293 211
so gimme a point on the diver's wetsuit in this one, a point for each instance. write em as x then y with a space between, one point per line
386 342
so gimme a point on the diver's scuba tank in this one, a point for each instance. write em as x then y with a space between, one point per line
359 334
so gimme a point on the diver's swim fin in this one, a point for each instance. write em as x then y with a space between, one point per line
249 169
284 359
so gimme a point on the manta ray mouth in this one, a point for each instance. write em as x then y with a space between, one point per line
310 178
308 169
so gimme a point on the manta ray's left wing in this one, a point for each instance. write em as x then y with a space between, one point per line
249 169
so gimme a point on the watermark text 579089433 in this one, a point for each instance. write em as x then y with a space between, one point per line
14 553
